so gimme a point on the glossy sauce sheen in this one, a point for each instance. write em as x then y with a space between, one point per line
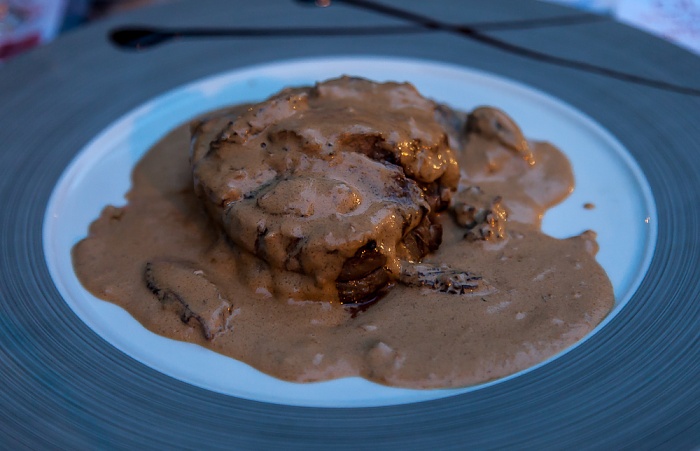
543 294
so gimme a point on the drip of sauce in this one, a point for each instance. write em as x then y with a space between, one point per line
165 260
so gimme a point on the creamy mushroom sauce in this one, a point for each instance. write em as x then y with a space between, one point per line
173 260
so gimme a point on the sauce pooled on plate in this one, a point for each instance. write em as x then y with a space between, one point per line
352 228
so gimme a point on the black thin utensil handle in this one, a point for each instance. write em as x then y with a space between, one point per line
141 38
476 35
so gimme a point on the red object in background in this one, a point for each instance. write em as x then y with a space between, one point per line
8 49
25 24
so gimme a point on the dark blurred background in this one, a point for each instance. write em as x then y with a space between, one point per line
25 24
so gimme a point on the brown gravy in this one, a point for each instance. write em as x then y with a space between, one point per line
547 293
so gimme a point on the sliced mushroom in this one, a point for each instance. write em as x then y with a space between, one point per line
441 278
492 123
197 301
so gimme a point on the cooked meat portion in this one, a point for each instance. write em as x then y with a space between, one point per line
340 181
387 122
197 301
317 222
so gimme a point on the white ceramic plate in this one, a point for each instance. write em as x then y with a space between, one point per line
606 176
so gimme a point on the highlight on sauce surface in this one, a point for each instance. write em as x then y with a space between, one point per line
352 228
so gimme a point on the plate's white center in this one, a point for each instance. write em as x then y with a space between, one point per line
624 215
